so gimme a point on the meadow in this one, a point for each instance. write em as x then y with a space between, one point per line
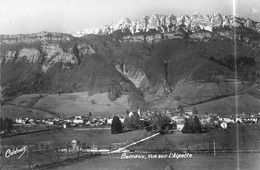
244 138
66 104
43 147
98 137
238 137
228 161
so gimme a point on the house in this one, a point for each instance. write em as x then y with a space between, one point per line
78 117
205 120
178 119
180 126
49 123
223 125
78 121
68 120
238 120
228 119
122 119
256 117
188 112
109 121
139 112
19 120
74 144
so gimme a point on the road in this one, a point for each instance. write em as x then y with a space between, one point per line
122 149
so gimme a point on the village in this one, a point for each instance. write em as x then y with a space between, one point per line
207 120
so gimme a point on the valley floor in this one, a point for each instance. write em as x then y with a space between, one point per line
44 146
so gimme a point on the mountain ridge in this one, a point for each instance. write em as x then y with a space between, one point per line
169 23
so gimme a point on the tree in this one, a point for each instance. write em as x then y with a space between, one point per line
116 126
1 124
164 120
127 113
155 121
7 124
133 121
192 125
182 112
188 126
197 124
194 111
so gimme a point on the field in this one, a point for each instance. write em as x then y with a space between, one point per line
197 162
43 146
245 103
241 137
13 112
247 139
80 103
100 137
67 104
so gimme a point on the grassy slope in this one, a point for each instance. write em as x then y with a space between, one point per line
79 103
245 103
13 112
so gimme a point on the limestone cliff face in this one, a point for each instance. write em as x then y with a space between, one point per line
31 38
196 27
54 54
170 23
48 55
46 48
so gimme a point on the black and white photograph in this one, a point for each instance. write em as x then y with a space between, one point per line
129 85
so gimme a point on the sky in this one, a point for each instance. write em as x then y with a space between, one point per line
69 16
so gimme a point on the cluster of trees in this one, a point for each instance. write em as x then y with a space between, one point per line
157 123
132 122
6 124
243 62
192 125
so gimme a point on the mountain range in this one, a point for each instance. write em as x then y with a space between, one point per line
171 23
156 62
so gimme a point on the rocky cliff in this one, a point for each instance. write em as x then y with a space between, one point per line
171 23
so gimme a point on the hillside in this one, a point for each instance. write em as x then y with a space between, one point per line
227 105
147 70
